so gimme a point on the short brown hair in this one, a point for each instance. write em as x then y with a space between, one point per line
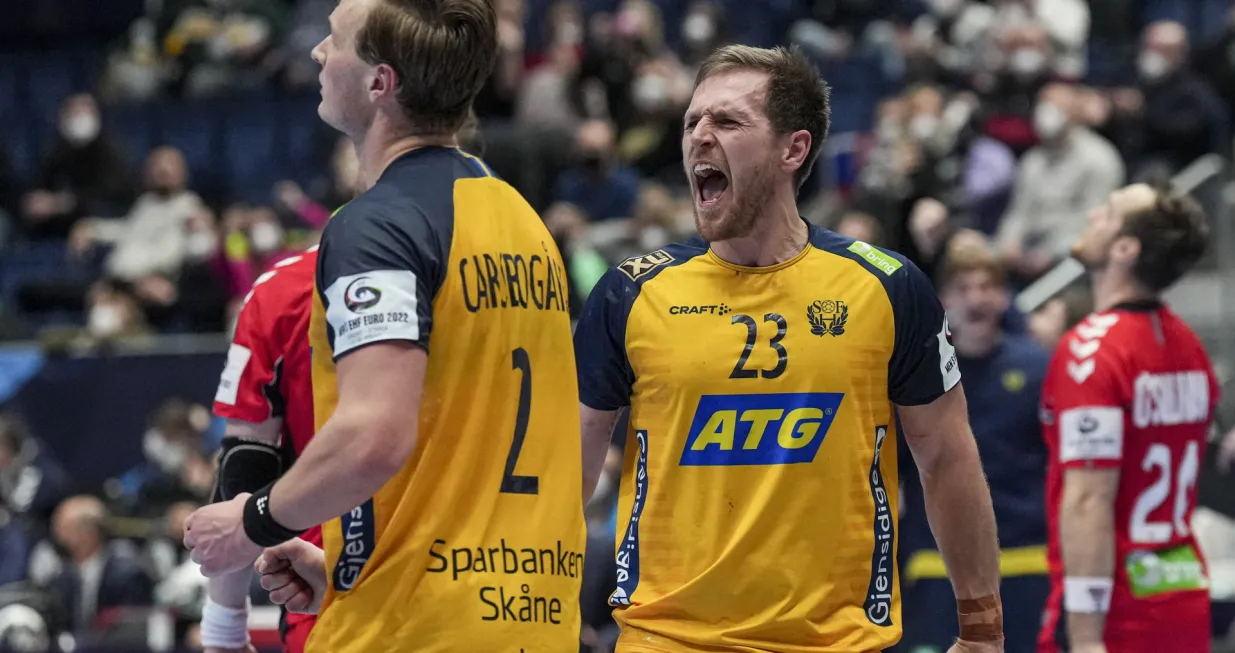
442 50
971 258
797 96
1173 232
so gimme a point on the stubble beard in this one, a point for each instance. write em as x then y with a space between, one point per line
746 203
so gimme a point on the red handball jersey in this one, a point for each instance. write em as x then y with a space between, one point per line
1133 389
267 374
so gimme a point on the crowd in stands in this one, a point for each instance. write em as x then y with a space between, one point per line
148 193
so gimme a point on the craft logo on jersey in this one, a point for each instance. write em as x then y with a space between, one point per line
360 296
640 266
702 309
827 317
759 429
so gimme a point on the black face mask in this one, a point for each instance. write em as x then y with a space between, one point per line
593 162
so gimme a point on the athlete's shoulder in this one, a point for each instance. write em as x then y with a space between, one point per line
1096 343
883 263
638 270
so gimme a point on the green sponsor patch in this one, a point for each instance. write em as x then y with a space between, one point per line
1158 572
875 257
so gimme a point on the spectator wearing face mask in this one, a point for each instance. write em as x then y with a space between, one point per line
175 466
1174 116
1070 171
598 183
148 245
32 481
85 173
1004 374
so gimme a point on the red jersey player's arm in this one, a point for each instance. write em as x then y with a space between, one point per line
1085 391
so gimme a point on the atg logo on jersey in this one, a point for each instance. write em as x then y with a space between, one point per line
827 317
759 429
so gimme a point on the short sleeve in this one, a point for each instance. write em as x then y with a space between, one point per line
249 385
377 276
605 375
923 365
1084 390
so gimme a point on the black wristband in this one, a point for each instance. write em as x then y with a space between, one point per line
259 525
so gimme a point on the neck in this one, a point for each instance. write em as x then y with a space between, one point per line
383 143
1109 291
82 556
779 234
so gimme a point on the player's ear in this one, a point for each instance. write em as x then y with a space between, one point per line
385 81
796 150
1126 249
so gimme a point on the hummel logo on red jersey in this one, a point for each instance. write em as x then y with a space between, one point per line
1085 343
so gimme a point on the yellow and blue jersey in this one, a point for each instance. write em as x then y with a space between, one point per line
758 502
477 543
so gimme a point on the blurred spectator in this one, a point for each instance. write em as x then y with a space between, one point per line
113 314
325 196
148 246
1071 171
704 28
222 45
32 482
1216 63
544 100
860 226
1004 374
598 183
497 97
584 265
15 544
201 294
1017 69
1174 117
175 467
100 573
1054 318
85 173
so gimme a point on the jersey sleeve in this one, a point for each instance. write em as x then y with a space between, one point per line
923 365
1085 391
249 385
605 375
377 276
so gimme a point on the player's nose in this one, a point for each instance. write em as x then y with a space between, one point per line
319 52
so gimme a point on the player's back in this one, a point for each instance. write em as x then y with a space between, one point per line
477 543
1133 389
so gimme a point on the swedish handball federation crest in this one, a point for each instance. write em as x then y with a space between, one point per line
827 317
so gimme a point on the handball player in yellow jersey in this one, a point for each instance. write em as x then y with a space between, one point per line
765 366
445 467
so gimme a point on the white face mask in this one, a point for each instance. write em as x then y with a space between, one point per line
1152 65
570 33
265 237
1049 121
1027 61
104 321
649 93
698 29
888 130
923 126
80 128
200 245
946 8
168 456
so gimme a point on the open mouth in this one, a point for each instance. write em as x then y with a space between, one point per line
710 183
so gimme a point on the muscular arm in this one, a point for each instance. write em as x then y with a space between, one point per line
597 427
1087 538
958 501
366 441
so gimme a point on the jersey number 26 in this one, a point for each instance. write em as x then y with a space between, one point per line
1143 531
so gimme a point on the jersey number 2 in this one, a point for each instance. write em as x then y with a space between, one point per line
1143 531
512 483
752 333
